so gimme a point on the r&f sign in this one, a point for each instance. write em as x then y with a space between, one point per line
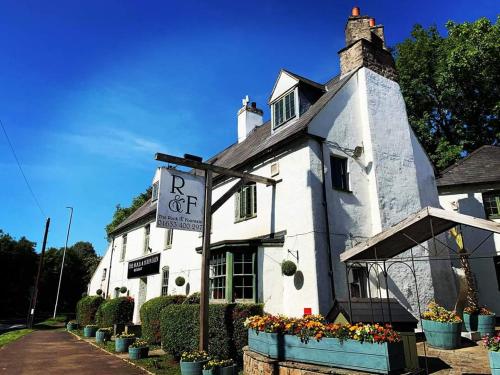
181 198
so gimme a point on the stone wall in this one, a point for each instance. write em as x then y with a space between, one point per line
257 364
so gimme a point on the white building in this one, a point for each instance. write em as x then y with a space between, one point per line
349 166
472 187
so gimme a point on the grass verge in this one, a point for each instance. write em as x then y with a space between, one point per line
159 365
8 337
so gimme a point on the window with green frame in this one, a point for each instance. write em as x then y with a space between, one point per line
233 276
491 201
246 202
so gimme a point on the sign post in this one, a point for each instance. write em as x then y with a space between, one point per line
180 198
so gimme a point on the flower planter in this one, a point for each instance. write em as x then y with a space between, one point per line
486 324
71 326
349 354
208 372
122 344
192 368
470 322
494 362
268 344
101 336
442 335
89 331
138 353
229 370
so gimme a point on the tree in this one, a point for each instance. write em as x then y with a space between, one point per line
121 213
451 87
19 262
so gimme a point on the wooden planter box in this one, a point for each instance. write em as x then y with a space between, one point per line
267 344
192 368
494 362
349 354
442 335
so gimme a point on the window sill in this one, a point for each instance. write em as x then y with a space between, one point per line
167 248
343 191
245 219
278 127
493 217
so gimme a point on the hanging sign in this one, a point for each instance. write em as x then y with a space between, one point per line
145 266
181 201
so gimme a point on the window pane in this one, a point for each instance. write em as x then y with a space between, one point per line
491 203
218 276
339 173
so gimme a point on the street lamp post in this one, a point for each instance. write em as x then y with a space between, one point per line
62 263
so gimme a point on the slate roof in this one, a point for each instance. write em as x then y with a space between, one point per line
260 140
481 166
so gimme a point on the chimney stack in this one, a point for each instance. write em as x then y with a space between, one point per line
249 117
365 46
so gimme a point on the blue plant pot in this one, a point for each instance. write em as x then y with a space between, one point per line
442 335
101 336
138 353
192 368
229 370
486 324
89 331
122 344
494 362
71 326
470 322
208 372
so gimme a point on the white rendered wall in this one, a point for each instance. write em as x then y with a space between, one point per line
469 201
392 179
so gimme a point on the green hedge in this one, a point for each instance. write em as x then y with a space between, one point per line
227 335
115 311
86 309
150 316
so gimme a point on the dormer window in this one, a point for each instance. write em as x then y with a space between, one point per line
284 109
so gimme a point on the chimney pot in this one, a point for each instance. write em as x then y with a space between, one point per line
355 12
254 105
372 22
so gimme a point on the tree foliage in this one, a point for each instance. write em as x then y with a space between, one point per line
19 265
121 213
451 87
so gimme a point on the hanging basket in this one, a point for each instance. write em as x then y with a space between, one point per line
288 268
180 281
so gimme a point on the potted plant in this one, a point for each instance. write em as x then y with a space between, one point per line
103 334
72 325
482 320
493 344
192 362
180 281
123 341
89 330
288 268
365 347
219 367
138 349
442 327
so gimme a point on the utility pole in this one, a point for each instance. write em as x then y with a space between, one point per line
62 263
196 163
40 264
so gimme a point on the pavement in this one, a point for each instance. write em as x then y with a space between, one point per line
57 352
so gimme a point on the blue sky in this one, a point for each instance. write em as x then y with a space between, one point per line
90 90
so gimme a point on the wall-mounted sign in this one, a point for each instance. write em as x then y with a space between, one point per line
149 265
181 200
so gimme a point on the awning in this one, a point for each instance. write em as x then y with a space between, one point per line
413 230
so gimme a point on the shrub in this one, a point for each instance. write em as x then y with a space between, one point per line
227 334
150 316
86 309
192 299
123 289
98 292
115 311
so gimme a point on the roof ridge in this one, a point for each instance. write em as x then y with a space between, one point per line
304 79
